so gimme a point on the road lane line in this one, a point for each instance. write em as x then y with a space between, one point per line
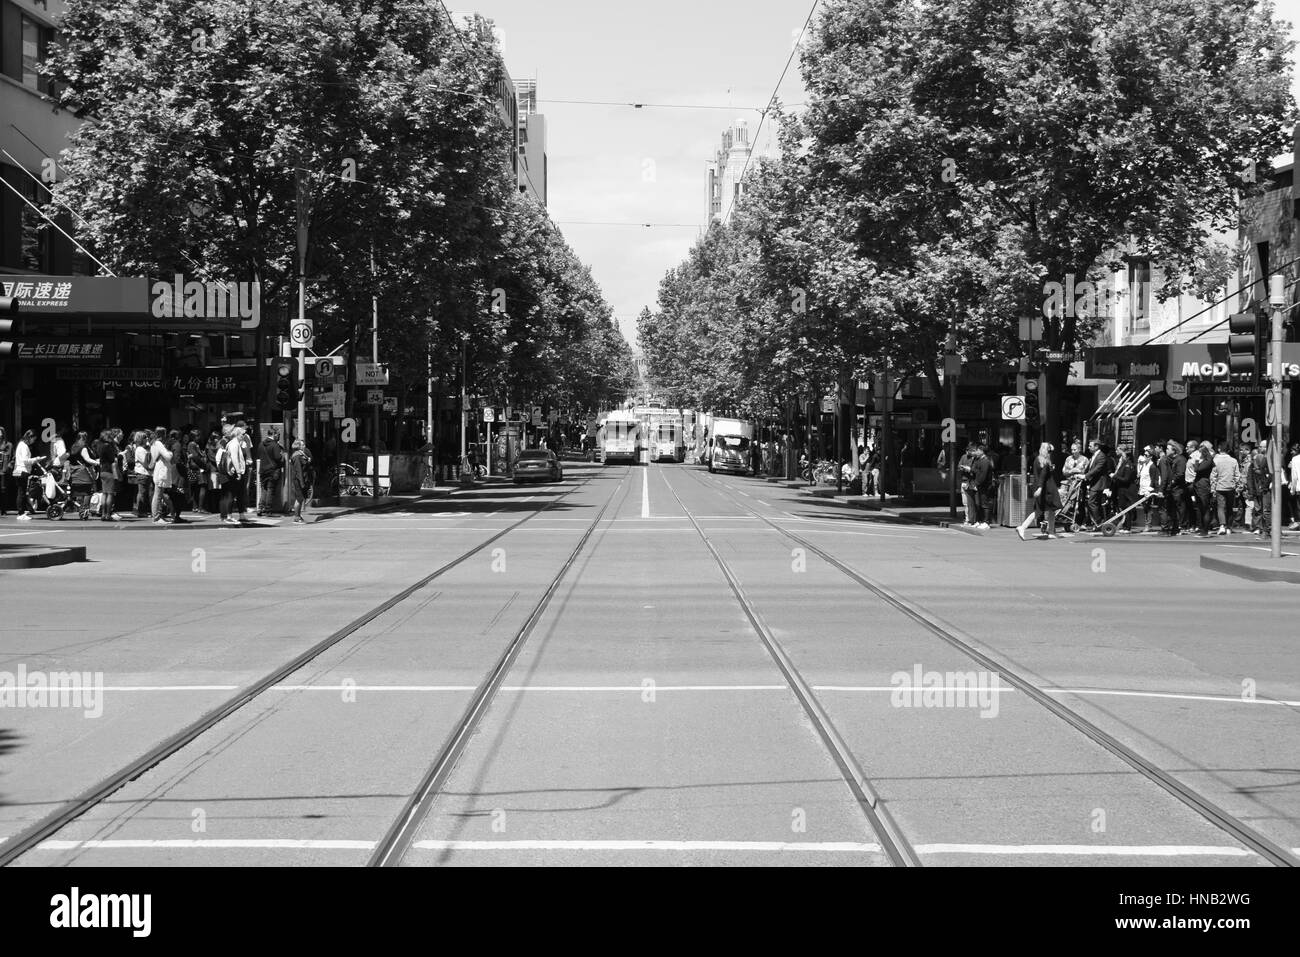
210 844
833 847
1091 850
645 494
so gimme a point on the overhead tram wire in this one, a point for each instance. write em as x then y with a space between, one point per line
776 89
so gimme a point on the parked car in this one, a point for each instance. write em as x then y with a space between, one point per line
535 465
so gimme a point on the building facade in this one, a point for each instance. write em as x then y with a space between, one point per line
531 137
724 171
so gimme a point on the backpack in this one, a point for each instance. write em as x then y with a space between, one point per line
224 462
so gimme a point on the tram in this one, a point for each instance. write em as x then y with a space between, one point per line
620 437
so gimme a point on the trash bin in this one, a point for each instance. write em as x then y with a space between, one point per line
1013 504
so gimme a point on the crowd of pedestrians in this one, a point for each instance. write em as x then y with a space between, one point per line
159 474
1174 488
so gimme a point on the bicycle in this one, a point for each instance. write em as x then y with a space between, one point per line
347 479
472 469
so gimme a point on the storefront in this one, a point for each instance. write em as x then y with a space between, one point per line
92 353
1191 395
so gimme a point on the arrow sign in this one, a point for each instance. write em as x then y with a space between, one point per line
1013 408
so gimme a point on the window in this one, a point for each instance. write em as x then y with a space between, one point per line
34 238
1139 295
35 39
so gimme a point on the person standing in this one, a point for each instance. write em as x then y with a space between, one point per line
1295 486
1123 484
1095 481
160 461
964 473
110 475
982 483
6 463
300 480
235 468
140 471
82 469
270 471
196 467
249 491
1202 467
1259 486
1148 479
1047 497
1223 486
180 476
58 456
1173 485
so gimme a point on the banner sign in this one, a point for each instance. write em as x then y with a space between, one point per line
97 349
78 295
169 305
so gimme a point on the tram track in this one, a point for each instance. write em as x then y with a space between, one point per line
69 811
892 841
965 644
402 832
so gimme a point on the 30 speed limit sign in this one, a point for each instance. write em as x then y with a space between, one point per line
301 334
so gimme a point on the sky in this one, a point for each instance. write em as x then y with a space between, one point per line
620 164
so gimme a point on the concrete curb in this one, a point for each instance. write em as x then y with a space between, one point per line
1289 573
42 556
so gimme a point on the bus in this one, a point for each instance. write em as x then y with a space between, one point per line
621 437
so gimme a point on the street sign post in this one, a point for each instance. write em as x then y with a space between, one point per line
302 334
489 415
1013 408
372 373
324 370
374 397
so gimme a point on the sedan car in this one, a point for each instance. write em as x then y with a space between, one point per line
538 465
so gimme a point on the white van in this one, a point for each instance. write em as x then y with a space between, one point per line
731 446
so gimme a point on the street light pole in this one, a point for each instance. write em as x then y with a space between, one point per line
374 352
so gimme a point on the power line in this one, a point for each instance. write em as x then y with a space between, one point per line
776 89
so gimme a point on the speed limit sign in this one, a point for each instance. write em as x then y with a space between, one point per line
301 334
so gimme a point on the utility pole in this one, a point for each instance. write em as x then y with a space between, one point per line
464 402
300 195
374 357
951 365
1277 299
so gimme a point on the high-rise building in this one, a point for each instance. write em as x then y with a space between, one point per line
532 142
32 135
724 186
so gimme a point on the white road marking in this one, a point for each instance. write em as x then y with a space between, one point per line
210 844
645 494
52 531
1090 850
806 847
834 847
637 689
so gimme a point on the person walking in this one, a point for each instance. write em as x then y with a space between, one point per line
6 463
270 471
1047 497
23 464
301 476
1223 486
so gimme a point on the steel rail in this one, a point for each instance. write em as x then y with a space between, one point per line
965 644
401 833
40 830
892 841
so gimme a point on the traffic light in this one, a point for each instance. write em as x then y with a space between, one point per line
1247 338
8 307
286 391
1032 414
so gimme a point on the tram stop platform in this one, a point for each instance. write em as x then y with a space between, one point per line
1258 566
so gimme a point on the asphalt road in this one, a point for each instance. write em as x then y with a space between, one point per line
644 720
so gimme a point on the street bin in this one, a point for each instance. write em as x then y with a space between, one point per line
1013 504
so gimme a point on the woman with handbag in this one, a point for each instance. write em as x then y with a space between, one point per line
110 476
1047 498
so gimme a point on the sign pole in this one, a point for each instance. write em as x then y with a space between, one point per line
374 352
301 209
1278 300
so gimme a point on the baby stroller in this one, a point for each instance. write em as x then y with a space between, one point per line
1074 509
46 492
